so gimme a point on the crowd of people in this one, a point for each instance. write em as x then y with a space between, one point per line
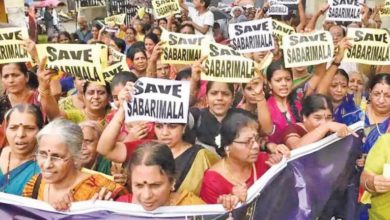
65 139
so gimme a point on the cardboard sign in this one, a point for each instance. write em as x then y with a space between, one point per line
385 10
369 46
164 8
117 19
181 48
252 36
161 100
225 64
11 50
307 49
79 60
277 9
281 29
344 10
119 65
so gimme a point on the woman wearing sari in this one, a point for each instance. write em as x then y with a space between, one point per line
191 160
17 162
152 173
61 180
228 180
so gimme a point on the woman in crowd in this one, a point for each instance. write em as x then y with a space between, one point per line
227 181
356 85
316 124
285 103
61 181
375 178
206 123
139 59
152 174
140 30
335 84
76 100
17 162
64 38
130 38
191 160
151 40
14 78
345 110
96 100
95 34
90 159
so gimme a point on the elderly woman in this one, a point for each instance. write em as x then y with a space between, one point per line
17 159
152 172
61 181
376 180
227 181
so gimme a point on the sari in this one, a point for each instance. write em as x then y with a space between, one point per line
190 167
83 191
377 157
215 185
279 119
18 177
347 112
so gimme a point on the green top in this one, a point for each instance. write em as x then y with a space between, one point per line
378 156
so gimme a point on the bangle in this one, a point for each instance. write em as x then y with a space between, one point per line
44 92
368 188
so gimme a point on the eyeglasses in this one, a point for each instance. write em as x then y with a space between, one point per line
251 141
54 159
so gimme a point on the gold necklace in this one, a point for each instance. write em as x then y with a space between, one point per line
238 182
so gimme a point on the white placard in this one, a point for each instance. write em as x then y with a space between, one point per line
160 100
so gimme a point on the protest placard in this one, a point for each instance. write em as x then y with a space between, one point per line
281 29
369 46
161 100
119 65
252 36
307 49
79 60
385 10
225 64
117 19
164 8
277 9
127 7
344 10
181 48
11 50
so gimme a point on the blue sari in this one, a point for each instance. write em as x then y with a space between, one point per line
18 178
347 112
374 134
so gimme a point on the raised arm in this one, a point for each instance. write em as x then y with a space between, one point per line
48 102
152 63
323 87
108 145
302 17
183 5
312 23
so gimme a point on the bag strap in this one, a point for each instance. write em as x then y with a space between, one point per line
37 184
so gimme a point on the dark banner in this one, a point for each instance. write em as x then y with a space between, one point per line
298 188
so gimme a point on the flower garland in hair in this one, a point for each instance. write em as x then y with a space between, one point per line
218 140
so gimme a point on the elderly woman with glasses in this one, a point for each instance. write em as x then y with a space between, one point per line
227 181
61 180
